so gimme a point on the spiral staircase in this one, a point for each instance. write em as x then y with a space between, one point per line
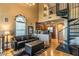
70 12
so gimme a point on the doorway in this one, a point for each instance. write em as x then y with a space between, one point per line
60 32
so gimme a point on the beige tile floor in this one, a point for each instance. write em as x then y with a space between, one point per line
52 50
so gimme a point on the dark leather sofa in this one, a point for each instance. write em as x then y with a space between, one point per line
19 41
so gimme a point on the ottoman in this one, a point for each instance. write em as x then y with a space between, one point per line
32 47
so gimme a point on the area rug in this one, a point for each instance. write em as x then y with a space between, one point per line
63 48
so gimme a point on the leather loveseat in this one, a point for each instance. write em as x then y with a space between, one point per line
21 40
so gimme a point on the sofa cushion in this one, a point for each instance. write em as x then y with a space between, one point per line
25 37
18 38
29 40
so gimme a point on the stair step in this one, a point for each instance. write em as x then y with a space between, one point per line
64 17
72 20
74 28
71 38
74 24
63 10
74 32
74 35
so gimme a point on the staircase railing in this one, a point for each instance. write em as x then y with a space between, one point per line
73 15
72 29
62 32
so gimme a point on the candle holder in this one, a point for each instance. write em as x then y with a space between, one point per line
7 33
1 44
8 44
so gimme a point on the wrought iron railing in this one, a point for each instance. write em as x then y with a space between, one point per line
73 23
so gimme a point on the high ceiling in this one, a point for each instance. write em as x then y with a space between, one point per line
51 4
36 4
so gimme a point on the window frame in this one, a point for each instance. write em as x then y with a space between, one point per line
20 22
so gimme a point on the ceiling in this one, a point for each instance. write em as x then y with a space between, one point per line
51 4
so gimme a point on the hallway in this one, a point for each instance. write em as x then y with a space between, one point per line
52 50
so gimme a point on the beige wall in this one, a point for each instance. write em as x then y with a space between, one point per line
11 10
41 13
43 18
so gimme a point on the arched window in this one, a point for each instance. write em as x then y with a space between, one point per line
20 26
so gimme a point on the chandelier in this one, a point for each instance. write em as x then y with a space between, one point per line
30 4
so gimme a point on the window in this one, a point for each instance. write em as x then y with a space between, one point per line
20 26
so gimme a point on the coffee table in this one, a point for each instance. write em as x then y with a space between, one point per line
32 47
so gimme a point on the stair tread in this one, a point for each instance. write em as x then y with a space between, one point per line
72 19
75 35
74 32
64 17
72 37
63 10
74 28
74 24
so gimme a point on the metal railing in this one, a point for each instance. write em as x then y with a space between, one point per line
62 38
72 25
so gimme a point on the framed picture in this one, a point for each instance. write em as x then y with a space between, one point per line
30 29
6 19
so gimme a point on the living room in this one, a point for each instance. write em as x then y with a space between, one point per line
34 29
18 23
